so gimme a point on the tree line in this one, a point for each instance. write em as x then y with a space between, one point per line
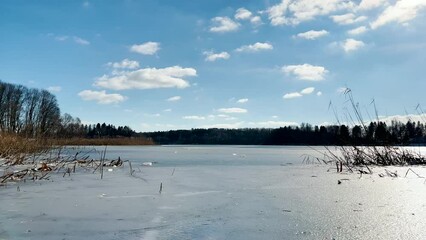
375 133
34 113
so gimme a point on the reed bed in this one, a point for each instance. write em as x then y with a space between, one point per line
24 160
359 159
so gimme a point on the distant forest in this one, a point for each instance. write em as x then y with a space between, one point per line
34 113
376 133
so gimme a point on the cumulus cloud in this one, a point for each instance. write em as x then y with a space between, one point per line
358 30
307 91
211 56
350 45
319 93
306 72
147 78
293 12
148 48
347 19
101 97
223 24
54 89
371 4
173 99
242 100
402 12
255 47
256 20
125 63
232 110
312 34
292 95
242 14
194 117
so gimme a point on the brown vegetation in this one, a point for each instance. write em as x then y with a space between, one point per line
15 148
103 141
358 158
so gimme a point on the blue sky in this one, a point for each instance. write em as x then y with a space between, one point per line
159 65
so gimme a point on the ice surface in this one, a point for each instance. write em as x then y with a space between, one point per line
209 193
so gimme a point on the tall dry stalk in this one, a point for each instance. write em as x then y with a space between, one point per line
353 156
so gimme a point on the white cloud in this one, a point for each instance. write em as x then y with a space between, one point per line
358 30
211 56
224 116
167 110
255 47
232 110
350 45
293 12
224 125
148 78
292 95
312 35
308 90
348 18
371 4
125 63
242 100
101 97
148 48
276 13
404 118
173 99
402 12
242 14
319 93
223 24
305 91
194 117
272 124
306 72
54 89
256 21
80 41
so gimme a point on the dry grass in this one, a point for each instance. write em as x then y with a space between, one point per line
103 141
358 158
15 148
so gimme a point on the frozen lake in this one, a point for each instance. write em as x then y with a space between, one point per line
217 192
